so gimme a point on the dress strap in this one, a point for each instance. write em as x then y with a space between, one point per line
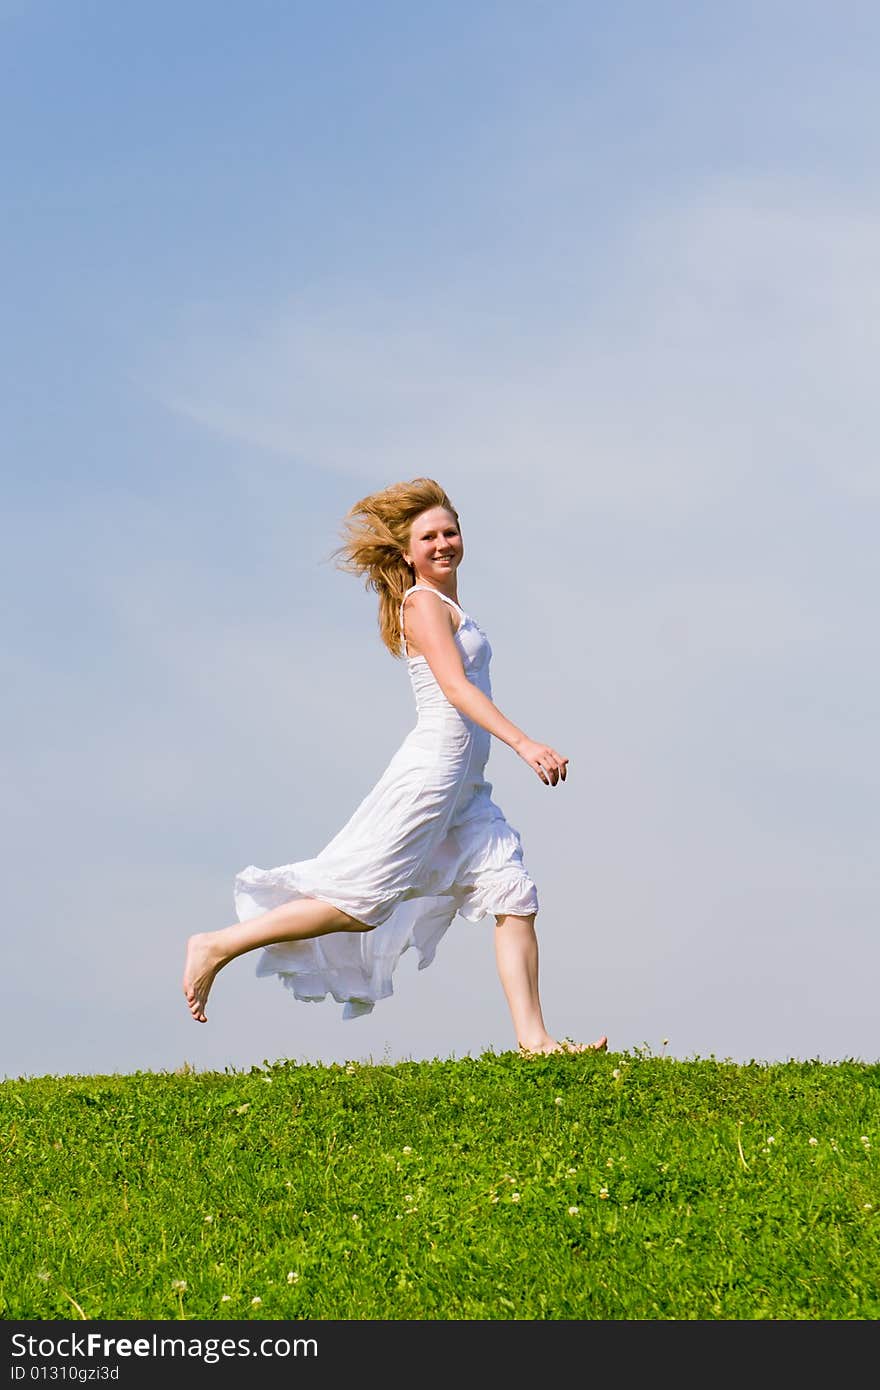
429 590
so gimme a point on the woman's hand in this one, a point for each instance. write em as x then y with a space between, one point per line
550 766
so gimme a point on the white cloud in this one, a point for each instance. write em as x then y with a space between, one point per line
734 332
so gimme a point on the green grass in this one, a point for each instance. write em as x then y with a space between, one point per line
616 1186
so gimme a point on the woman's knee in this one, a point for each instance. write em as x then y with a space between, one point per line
352 924
502 917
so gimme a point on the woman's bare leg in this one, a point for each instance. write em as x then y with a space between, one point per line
516 954
208 951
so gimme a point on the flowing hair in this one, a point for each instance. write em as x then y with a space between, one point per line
376 533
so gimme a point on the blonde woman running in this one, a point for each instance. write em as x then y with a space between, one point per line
428 841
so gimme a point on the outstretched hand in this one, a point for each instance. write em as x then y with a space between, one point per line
550 766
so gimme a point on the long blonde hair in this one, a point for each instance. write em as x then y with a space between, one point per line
376 533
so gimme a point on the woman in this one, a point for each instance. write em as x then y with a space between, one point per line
427 841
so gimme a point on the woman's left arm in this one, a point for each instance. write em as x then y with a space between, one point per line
429 625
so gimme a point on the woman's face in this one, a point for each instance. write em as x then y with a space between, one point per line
435 546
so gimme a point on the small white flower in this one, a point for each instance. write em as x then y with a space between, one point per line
571 1172
869 1206
226 1298
558 1100
179 1285
864 1138
208 1220
514 1196
813 1143
354 1216
609 1163
770 1139
603 1192
43 1275
616 1073
293 1276
573 1211
255 1302
407 1148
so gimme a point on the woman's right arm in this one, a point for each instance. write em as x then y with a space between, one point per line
428 625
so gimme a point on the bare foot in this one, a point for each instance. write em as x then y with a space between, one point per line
199 969
551 1045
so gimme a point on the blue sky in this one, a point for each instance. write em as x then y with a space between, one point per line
608 273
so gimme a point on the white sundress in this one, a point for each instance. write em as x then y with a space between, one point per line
426 843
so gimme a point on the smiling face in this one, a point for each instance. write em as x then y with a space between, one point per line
435 548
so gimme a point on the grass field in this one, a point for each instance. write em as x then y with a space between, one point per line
616 1186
